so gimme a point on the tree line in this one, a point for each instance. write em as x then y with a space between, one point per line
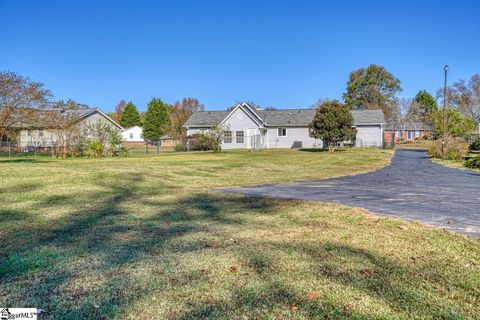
160 118
375 87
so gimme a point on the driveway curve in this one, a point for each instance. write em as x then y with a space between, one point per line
412 187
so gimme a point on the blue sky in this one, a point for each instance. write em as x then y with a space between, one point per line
285 54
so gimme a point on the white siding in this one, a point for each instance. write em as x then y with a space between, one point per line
133 134
369 136
239 121
298 134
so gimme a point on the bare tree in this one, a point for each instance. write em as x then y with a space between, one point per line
466 97
119 110
180 113
67 133
319 102
404 111
19 97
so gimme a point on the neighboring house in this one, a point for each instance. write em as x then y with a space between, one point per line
46 136
133 135
408 131
247 127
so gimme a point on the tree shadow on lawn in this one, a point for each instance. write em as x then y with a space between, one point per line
321 150
103 241
25 160
266 294
102 259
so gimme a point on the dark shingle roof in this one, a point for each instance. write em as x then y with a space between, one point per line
206 118
292 117
409 125
368 116
286 116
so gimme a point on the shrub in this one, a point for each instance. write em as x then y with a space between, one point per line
473 163
180 147
455 148
210 140
204 142
475 145
94 148
120 152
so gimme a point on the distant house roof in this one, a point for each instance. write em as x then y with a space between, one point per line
42 119
281 117
409 125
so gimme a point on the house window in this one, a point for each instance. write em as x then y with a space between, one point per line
29 133
282 132
240 136
397 134
409 135
417 134
131 135
141 136
227 137
40 133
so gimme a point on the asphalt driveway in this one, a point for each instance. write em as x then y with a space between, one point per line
412 187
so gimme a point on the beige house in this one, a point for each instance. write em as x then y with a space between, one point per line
43 136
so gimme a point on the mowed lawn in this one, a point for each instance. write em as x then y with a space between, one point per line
145 237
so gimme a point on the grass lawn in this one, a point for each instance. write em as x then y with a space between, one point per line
454 164
119 238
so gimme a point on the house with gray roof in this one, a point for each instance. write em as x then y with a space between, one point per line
41 131
248 127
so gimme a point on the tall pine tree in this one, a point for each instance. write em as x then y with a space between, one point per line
130 116
157 119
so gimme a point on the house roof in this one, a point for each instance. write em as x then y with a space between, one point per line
409 125
206 118
282 117
43 117
368 116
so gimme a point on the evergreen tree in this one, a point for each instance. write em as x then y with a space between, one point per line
157 120
130 116
332 123
427 103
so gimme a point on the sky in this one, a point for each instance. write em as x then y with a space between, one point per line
285 54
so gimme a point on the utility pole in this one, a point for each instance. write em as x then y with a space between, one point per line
444 111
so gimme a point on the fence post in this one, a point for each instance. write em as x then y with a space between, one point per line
188 145
158 147
9 150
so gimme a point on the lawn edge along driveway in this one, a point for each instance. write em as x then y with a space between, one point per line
411 187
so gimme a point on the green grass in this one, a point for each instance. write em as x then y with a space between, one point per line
119 238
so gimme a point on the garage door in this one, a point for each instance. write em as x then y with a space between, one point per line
369 136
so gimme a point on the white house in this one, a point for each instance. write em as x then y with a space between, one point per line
133 134
248 127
